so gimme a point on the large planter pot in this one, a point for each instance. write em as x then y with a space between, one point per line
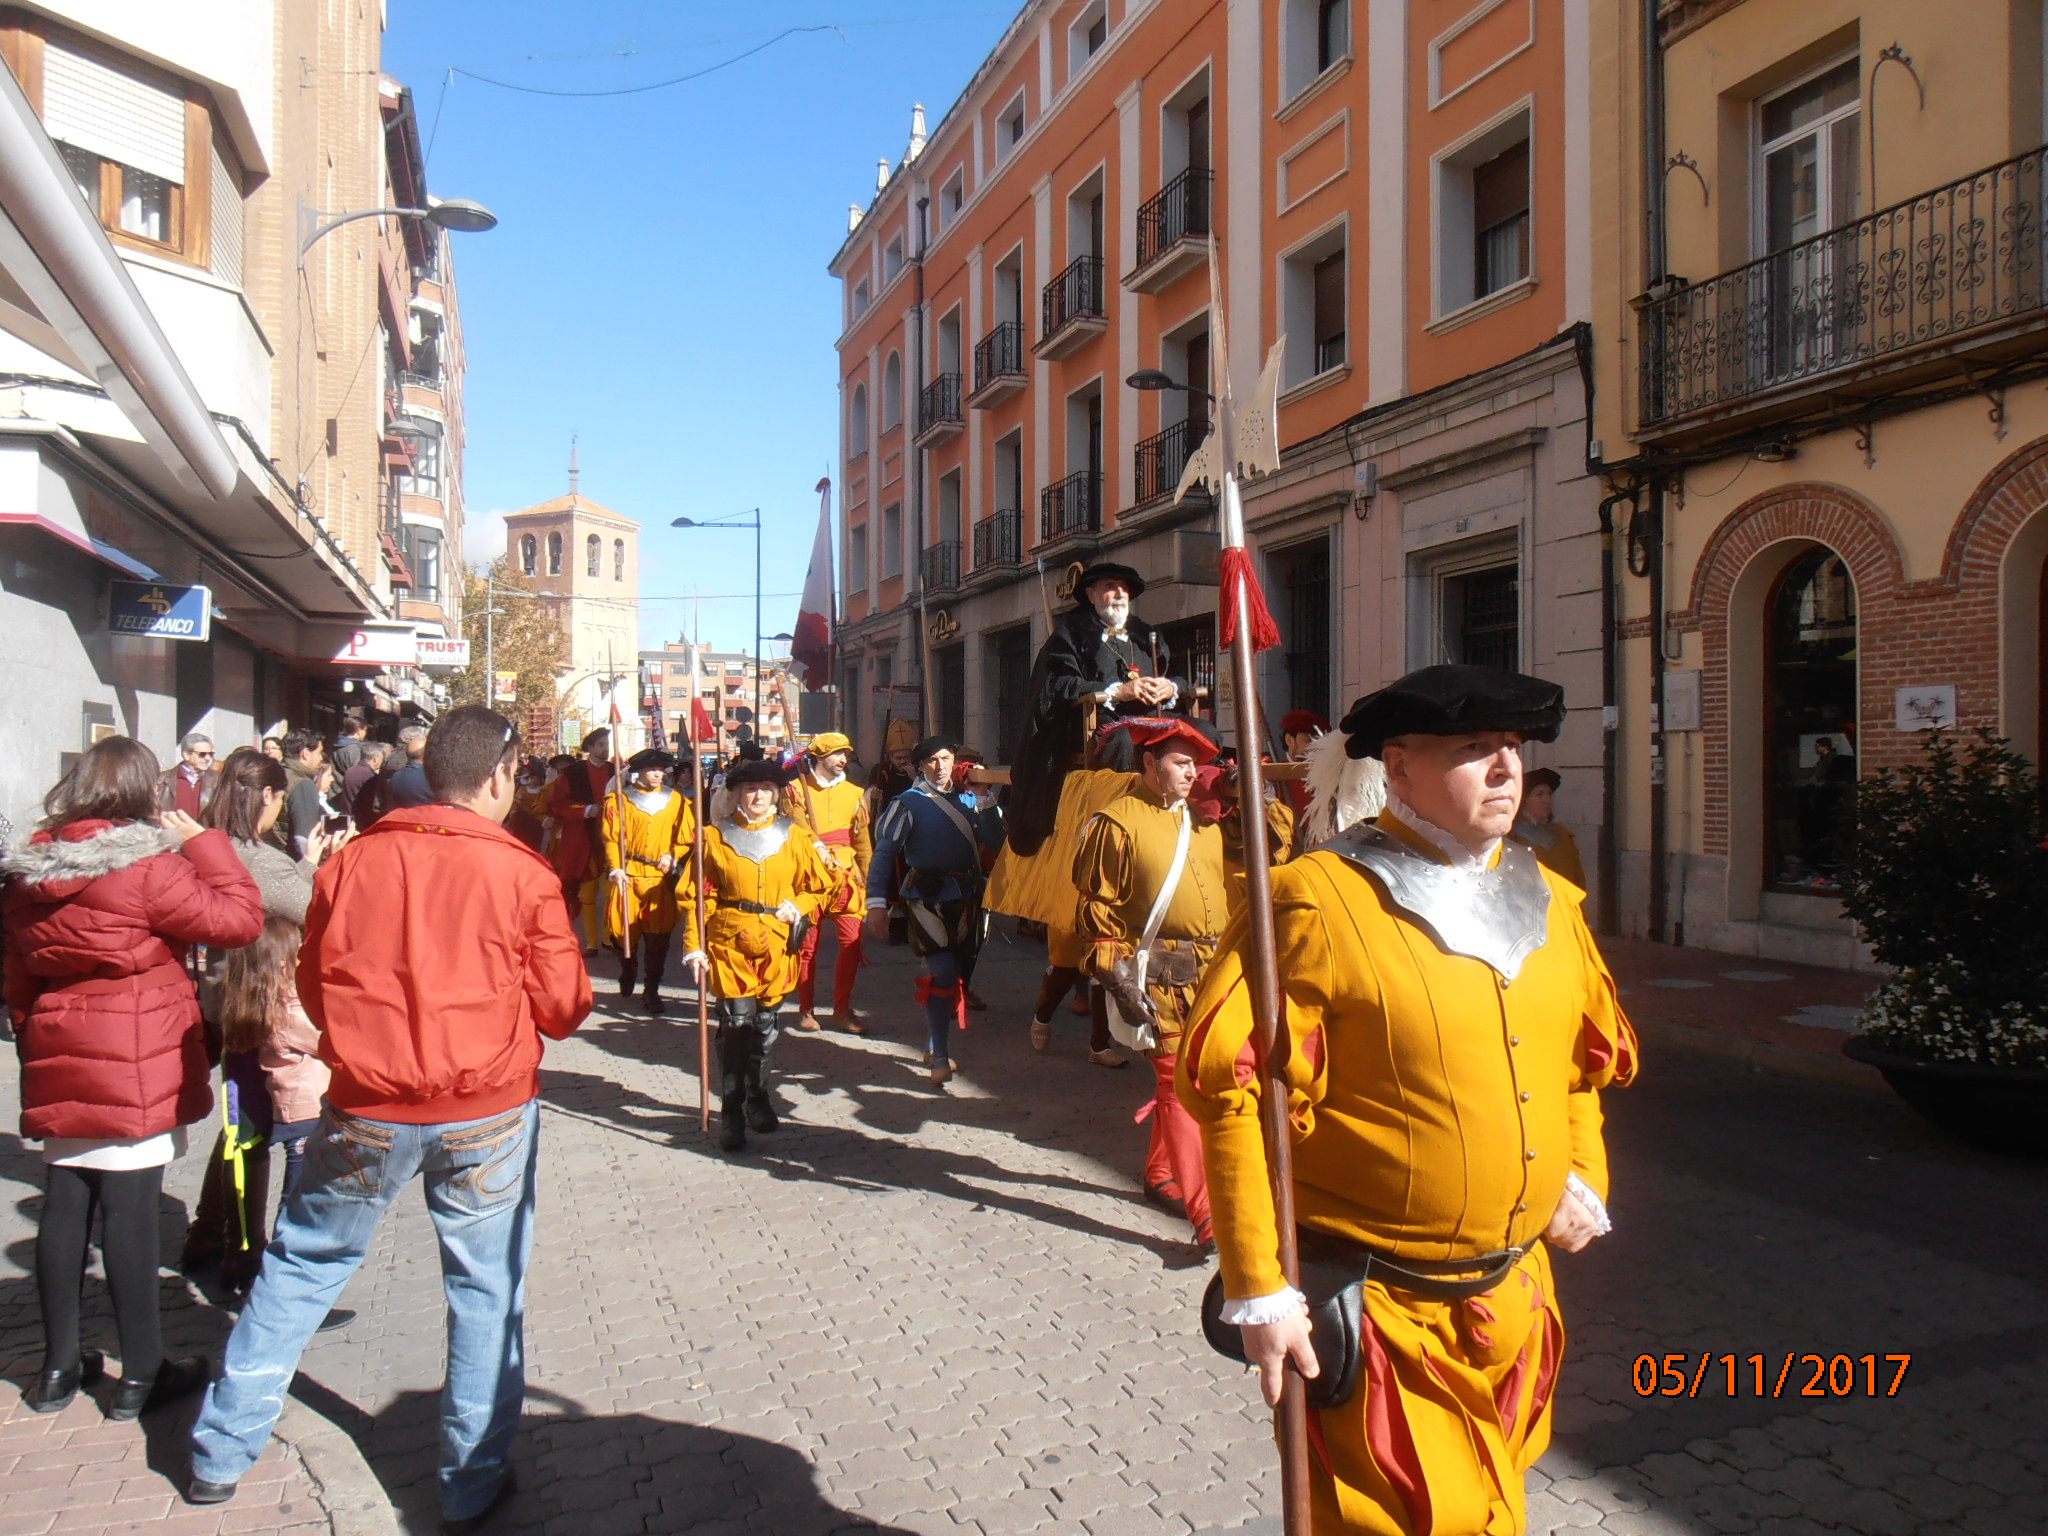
2002 1109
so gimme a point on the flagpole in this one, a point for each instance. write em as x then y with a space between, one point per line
697 879
617 731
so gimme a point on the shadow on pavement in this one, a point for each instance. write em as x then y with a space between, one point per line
584 1474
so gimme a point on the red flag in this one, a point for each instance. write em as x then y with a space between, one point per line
700 722
812 648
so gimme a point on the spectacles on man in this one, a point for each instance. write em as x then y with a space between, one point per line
196 752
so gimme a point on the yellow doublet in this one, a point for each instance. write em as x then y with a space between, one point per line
1042 887
750 950
1126 852
1560 854
637 841
1437 1112
837 816
1280 823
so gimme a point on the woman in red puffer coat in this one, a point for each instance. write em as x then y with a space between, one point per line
100 905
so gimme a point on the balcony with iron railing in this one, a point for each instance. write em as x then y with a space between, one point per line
1159 459
1173 230
1071 506
999 370
999 539
939 566
1917 297
1072 309
938 410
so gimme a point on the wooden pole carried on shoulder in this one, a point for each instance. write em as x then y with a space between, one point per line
697 884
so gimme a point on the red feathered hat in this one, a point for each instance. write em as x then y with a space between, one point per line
1299 720
1150 734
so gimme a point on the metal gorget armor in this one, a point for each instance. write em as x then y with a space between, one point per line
652 801
758 844
1499 915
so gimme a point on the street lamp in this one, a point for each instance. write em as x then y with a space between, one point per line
691 522
1153 379
458 215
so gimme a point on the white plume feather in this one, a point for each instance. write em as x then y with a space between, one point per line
1343 790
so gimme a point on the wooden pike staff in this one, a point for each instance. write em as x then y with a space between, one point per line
1246 627
697 879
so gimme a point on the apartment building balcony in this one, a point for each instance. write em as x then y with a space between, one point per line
1071 506
1159 459
1173 231
1073 310
999 540
938 411
1927 297
939 566
999 370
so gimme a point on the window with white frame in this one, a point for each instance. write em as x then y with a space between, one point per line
1483 215
1809 139
952 197
892 540
857 422
1010 126
1086 36
424 479
1315 36
892 392
1315 303
861 299
892 258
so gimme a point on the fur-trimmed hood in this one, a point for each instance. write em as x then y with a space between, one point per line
86 850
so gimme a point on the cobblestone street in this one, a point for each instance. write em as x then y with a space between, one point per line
952 1313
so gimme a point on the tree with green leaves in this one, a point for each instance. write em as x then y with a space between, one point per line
527 640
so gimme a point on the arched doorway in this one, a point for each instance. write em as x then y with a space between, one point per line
1810 724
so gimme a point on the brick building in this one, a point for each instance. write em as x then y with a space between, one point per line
1814 326
1401 188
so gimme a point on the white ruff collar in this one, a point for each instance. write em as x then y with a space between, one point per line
833 782
1458 855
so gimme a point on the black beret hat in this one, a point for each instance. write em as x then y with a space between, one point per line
755 770
650 757
924 750
1107 570
1450 700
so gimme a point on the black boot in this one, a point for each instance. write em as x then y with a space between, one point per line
760 1063
737 1041
628 974
657 967
732 1136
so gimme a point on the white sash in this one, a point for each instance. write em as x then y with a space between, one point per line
1143 1034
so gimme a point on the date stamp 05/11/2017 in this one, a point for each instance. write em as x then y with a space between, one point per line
1788 1375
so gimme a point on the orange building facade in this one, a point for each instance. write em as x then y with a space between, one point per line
1400 187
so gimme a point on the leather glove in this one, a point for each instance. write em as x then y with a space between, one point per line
1131 1000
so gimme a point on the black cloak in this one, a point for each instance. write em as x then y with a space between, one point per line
1076 660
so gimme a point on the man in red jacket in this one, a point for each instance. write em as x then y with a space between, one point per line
437 954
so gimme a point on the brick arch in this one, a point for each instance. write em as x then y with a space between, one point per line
2004 500
1825 514
1816 513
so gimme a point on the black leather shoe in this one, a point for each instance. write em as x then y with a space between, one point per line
174 1379
452 1525
55 1390
761 1113
733 1129
200 1491
655 1006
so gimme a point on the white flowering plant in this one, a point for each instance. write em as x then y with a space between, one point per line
1949 881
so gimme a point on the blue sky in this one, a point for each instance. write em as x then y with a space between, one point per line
657 281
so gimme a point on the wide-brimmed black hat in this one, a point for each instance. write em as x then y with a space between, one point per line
931 745
1450 700
601 731
1107 570
650 757
755 770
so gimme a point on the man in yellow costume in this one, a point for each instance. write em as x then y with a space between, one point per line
645 834
1451 1027
764 882
1536 825
1153 904
833 809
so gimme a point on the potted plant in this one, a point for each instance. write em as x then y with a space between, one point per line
1950 884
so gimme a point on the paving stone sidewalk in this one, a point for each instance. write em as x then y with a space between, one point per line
924 1312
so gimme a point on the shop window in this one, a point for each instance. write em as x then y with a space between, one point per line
1810 681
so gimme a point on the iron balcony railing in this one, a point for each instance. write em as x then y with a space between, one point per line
1072 505
939 566
1935 267
1176 212
1161 457
1000 354
939 403
999 539
1074 293
419 379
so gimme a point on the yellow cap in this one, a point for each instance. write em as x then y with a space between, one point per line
825 743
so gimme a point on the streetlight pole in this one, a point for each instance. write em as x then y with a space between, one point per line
755 524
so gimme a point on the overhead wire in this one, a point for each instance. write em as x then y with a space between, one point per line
657 85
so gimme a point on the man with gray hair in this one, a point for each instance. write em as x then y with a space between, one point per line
368 761
381 794
187 786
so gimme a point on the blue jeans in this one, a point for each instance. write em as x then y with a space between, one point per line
479 1177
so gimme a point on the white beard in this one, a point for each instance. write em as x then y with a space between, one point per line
1114 612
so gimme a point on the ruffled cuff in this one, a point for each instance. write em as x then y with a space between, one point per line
1582 1192
1282 1304
696 954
